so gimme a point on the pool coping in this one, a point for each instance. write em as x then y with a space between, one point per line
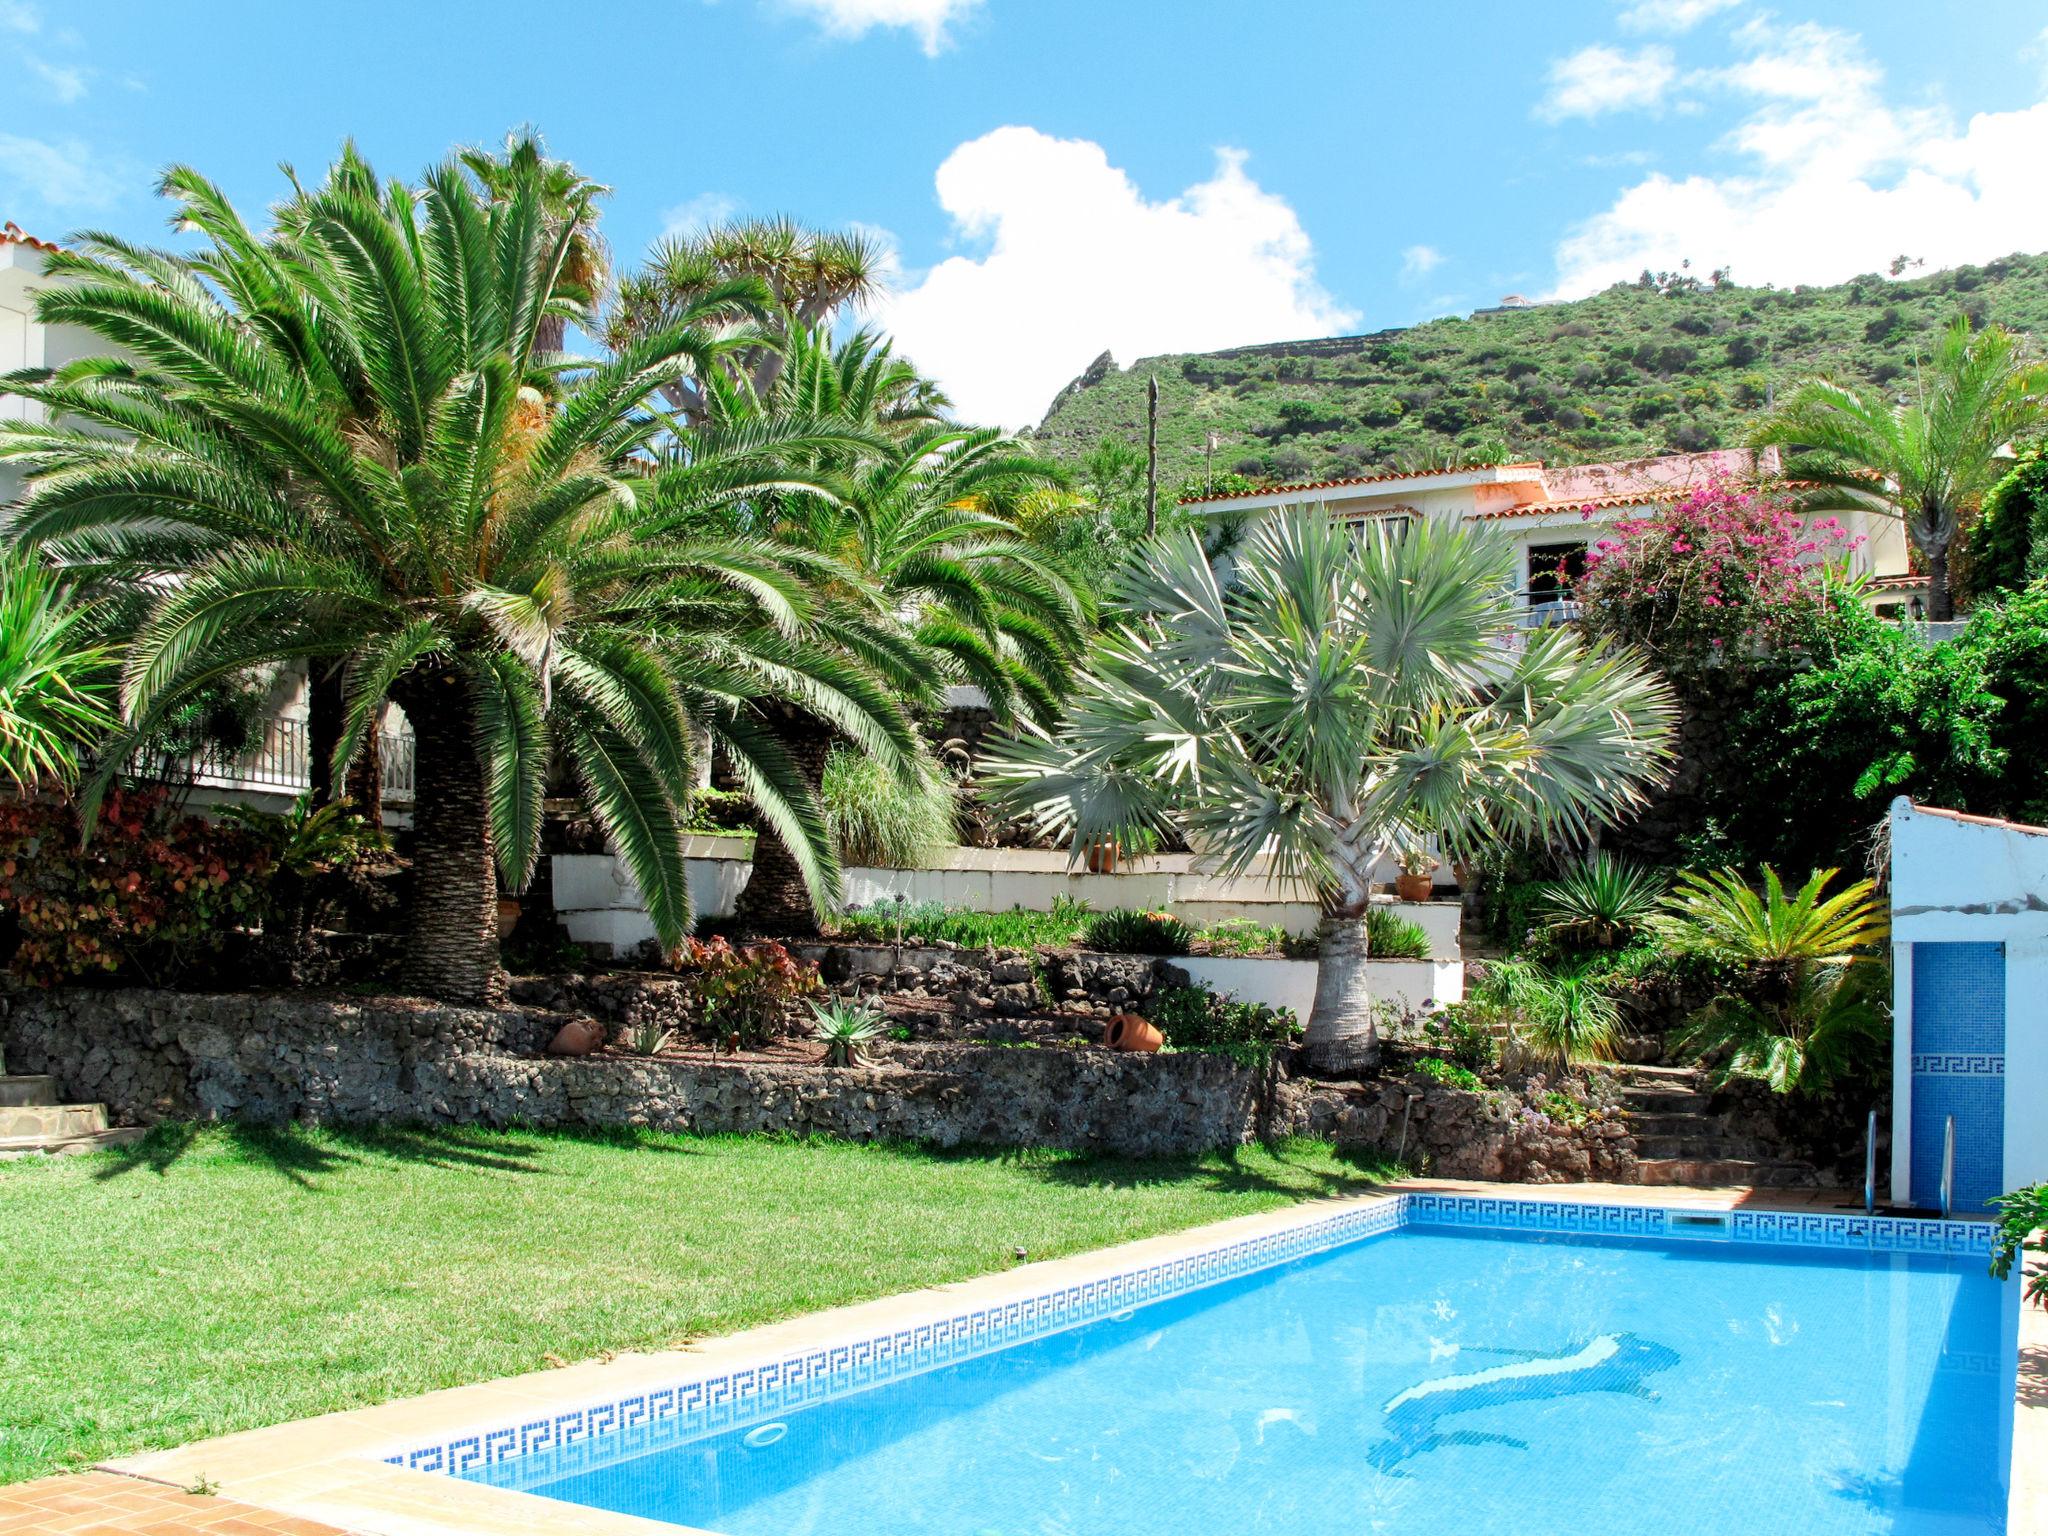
339 1467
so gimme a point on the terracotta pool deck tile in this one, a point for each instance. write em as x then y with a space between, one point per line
111 1504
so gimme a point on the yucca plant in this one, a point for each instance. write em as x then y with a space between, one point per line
1602 900
843 1028
341 443
56 686
1331 696
1814 997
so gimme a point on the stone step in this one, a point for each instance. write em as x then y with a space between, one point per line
1663 1101
70 1146
1654 1124
21 1122
1642 1073
26 1089
1702 1172
1713 1146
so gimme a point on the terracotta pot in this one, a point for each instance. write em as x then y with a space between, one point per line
1131 1032
508 916
1102 857
578 1037
1414 887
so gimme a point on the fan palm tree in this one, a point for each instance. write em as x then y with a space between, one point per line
1814 997
1338 696
1927 459
348 447
56 685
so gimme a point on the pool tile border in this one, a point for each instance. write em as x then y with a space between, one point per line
546 1446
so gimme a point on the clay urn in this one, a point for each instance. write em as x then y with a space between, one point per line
578 1037
1414 887
1132 1032
508 916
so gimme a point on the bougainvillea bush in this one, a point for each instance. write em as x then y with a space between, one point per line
1725 575
152 895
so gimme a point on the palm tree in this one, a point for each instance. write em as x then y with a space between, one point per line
1928 459
922 521
568 202
1814 998
1341 694
56 685
348 446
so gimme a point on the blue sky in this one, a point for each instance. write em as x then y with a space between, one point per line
1064 176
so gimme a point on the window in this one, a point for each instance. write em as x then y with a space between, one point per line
1554 570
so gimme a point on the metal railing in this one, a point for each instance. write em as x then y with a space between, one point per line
281 761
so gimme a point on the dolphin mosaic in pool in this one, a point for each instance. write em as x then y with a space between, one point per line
1613 1362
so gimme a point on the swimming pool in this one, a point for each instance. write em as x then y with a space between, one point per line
1426 1365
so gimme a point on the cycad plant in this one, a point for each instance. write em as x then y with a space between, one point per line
1337 693
1926 458
339 442
56 685
1602 900
1814 997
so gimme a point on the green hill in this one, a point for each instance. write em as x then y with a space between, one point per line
1651 367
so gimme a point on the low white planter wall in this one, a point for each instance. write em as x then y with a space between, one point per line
598 902
1292 983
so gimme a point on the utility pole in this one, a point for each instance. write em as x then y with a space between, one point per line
1152 456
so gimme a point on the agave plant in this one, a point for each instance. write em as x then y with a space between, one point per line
843 1028
1334 695
1602 900
1813 1002
56 687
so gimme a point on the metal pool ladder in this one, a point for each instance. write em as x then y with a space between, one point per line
1870 1167
1948 1169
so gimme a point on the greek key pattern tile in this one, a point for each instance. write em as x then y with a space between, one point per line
1977 1064
671 1415
551 1446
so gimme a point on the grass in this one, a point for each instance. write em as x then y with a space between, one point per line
212 1280
931 921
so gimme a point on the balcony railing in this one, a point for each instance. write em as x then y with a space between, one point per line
281 762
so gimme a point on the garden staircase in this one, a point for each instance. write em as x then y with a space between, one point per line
32 1121
1679 1142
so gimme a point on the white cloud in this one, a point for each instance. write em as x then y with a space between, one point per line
1419 260
57 176
702 212
19 16
1671 15
1601 79
1078 260
1834 180
66 81
929 19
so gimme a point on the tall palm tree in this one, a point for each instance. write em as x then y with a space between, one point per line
1335 697
1926 459
351 448
569 201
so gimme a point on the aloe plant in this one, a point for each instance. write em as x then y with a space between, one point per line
843 1028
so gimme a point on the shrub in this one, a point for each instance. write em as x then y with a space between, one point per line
1563 1015
747 993
933 922
1197 1019
877 819
152 894
1455 1032
718 810
1449 1073
1390 936
1719 577
1124 932
2022 1216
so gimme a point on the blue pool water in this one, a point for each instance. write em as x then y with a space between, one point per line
1429 1380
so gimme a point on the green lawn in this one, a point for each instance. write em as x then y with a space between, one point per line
210 1281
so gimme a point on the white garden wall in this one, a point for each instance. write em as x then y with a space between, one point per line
1292 983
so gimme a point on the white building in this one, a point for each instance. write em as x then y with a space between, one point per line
25 342
1969 1004
1555 515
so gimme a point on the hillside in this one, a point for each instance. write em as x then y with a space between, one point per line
1641 369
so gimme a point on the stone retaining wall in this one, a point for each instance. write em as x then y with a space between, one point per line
152 1056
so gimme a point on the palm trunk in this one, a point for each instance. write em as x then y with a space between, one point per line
1941 606
1341 1033
451 947
326 715
775 899
365 784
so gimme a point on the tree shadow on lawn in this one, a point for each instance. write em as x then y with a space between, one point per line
1224 1171
303 1155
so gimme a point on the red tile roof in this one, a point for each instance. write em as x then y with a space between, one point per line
12 233
1325 485
1642 498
